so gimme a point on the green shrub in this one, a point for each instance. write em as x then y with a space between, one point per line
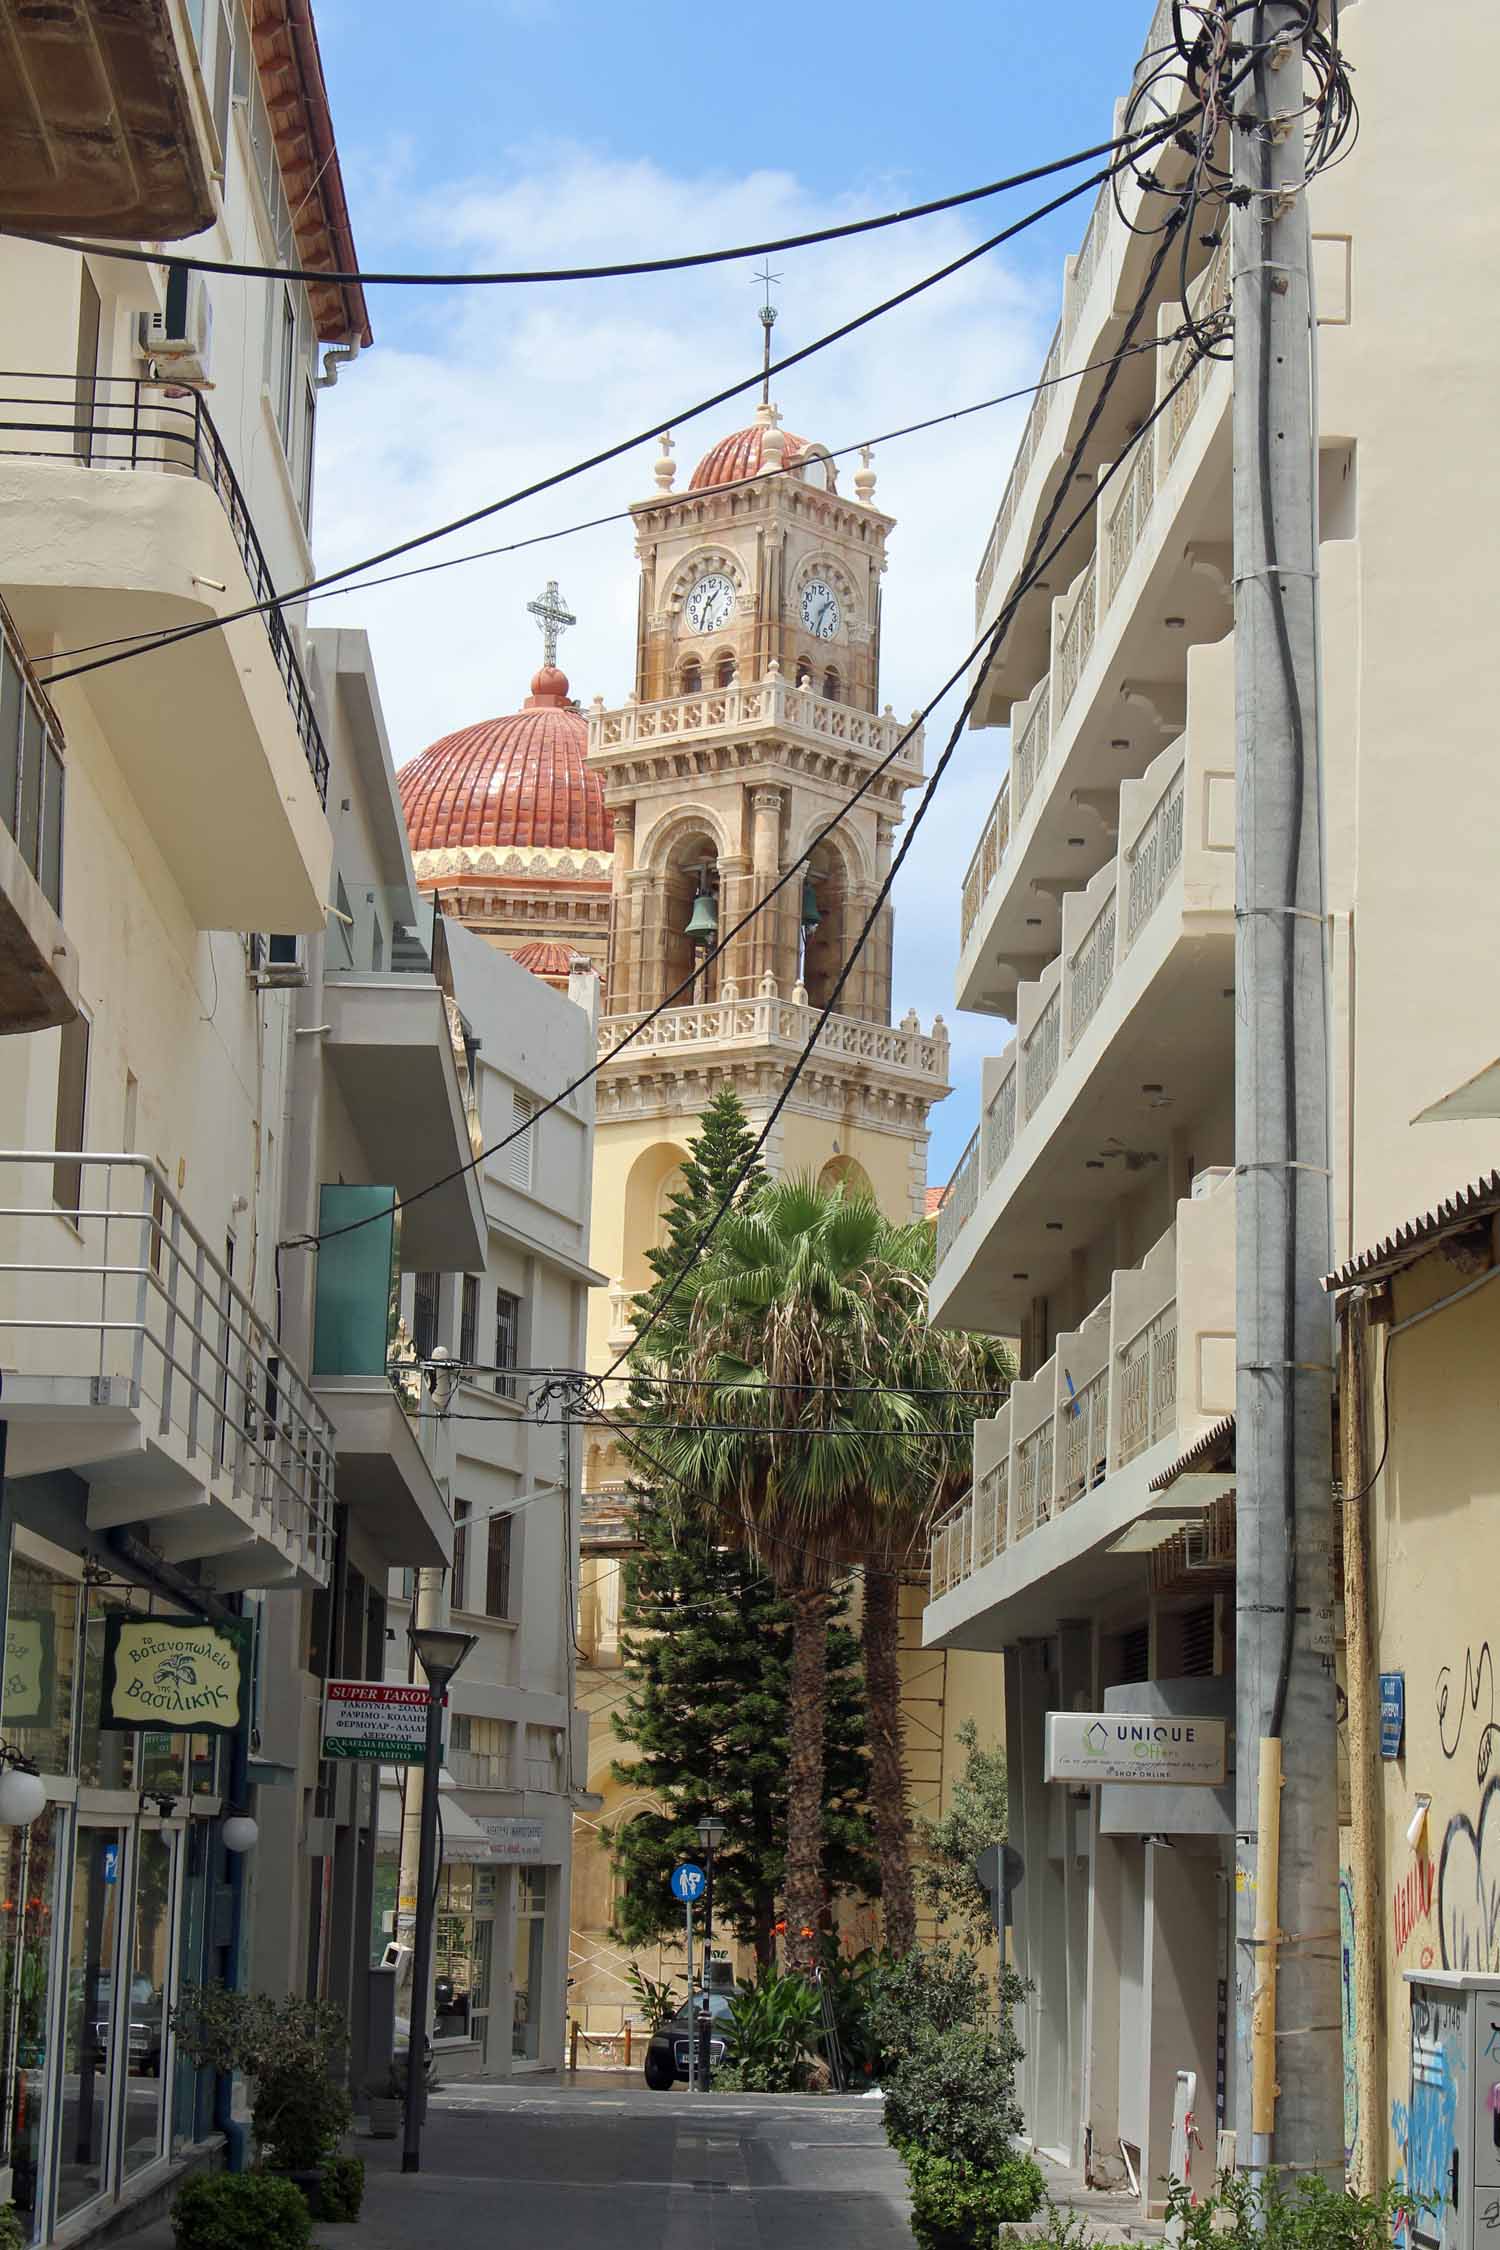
954 2096
773 2033
954 2205
930 1989
14 2232
1061 2230
1245 2214
240 2211
341 2188
292 2051
851 1982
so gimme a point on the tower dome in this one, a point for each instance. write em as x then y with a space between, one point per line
743 454
513 782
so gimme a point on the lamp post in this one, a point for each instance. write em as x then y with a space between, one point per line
440 1652
710 1833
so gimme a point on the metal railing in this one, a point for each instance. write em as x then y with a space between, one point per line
1147 1373
948 1555
1077 636
1041 1051
999 1125
959 1197
120 422
107 1282
985 865
990 1501
1210 294
1031 750
31 766
1130 513
1091 970
1156 852
1026 451
1085 1439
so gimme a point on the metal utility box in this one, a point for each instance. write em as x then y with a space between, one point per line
1453 2122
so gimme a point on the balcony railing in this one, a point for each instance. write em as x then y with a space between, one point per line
1077 640
1031 753
123 423
985 864
31 767
1130 512
773 704
110 1287
1041 1051
1147 1374
999 1124
1091 971
1085 1439
1154 857
766 1019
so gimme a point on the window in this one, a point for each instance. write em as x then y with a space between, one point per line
724 677
458 1589
309 432
424 1315
31 776
223 78
507 1340
86 385
516 1158
692 680
831 685
286 362
72 1111
468 1321
497 1568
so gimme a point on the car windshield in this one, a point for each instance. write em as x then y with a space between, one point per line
719 2004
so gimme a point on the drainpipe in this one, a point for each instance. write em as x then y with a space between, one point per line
237 1793
1364 1811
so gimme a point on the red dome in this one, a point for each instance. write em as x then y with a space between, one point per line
742 454
544 957
516 781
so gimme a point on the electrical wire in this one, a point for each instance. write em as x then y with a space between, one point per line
337 277
148 641
467 1369
608 453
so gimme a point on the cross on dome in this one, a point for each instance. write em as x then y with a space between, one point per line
554 617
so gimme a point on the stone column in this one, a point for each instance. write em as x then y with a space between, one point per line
766 953
620 976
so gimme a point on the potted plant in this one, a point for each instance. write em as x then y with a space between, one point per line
293 2053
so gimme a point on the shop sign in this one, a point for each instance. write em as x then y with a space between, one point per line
519 1841
29 1667
1133 1746
176 1675
376 1720
1392 1713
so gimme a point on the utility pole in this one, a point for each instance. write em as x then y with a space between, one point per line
1288 2109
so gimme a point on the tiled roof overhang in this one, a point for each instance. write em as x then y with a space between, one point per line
1465 1208
291 77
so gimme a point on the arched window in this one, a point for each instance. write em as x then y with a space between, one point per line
831 685
692 679
724 674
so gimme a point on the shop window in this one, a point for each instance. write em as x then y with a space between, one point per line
529 1963
144 2055
28 1906
88 2024
106 1759
453 1954
497 1568
41 1642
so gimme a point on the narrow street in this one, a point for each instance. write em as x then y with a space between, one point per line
606 2164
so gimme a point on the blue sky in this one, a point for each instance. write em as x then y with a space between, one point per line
495 132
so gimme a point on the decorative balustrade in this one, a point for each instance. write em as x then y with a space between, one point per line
1085 1439
1130 512
999 1125
959 1197
768 1020
1021 467
1031 750
1147 1374
1091 970
772 704
1077 636
985 865
1041 1051
1210 294
1086 264
951 1555
1153 857
1028 1484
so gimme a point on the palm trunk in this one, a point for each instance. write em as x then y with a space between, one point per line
804 1810
881 1634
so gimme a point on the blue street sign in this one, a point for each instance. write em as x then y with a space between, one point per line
1392 1713
688 1883
111 1863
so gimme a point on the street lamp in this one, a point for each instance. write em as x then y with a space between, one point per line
440 1651
710 1833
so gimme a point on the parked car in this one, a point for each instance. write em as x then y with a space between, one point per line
667 2051
145 2033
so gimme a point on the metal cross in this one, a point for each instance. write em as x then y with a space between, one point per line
553 615
767 322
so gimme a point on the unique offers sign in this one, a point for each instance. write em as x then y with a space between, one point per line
378 1720
517 1841
1134 1746
176 1675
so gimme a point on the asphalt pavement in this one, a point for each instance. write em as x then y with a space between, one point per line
606 2165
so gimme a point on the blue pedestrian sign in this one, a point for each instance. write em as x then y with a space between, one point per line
111 1863
688 1883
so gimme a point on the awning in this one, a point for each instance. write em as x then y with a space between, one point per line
460 1837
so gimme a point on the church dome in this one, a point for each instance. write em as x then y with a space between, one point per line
514 782
742 454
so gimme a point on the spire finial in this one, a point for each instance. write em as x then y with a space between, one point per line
767 322
864 476
554 617
666 467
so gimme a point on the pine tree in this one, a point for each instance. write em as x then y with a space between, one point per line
722 1148
709 1662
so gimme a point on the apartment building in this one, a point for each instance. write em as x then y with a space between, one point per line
516 1762
1092 1215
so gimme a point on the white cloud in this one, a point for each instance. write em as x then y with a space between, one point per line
471 395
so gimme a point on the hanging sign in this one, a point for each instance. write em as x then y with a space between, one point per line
381 1721
1392 1713
176 1675
29 1667
1133 1746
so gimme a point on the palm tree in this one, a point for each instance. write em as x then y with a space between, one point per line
781 1435
950 1379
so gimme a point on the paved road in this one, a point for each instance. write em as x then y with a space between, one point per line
612 2167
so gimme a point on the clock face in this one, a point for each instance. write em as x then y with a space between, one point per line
710 603
820 609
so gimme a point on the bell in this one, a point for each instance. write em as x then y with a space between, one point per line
811 914
704 920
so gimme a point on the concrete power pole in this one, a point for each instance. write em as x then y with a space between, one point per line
1288 2110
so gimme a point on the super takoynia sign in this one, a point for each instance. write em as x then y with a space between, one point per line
176 1675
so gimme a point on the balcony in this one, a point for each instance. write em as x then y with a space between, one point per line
384 1474
1062 1475
102 122
731 1025
38 968
124 517
391 1049
131 1357
1155 583
844 737
1126 1036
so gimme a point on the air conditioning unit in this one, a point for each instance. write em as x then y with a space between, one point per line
282 962
182 333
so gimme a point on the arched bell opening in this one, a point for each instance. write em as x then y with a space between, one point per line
825 927
848 1173
691 920
724 670
690 679
832 685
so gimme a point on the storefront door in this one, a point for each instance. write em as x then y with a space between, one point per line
91 2021
529 1962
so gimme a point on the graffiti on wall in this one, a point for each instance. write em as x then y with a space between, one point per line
1411 1903
1476 1700
1347 2011
1468 1877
